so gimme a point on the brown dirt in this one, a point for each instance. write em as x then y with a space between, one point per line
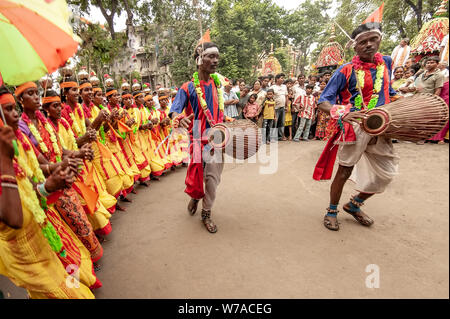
271 242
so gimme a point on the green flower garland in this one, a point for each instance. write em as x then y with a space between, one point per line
360 74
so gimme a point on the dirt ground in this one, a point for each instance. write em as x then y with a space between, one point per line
271 242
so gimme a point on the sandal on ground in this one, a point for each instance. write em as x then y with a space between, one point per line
328 220
360 217
209 224
192 207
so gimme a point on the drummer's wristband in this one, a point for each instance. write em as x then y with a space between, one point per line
339 110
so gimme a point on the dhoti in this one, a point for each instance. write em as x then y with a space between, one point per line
375 164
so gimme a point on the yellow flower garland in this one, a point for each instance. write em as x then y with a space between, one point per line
75 125
38 137
56 148
32 170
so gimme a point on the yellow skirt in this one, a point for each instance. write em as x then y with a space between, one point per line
28 261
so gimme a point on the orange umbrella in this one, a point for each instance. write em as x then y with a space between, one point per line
36 38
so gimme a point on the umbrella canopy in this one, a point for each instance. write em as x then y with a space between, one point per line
36 38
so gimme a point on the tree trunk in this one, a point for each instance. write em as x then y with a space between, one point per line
109 17
417 11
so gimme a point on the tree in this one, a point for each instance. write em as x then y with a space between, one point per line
109 9
298 27
243 30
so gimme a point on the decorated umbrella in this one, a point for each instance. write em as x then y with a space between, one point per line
331 55
428 41
36 39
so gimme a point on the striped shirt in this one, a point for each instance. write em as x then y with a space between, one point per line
307 105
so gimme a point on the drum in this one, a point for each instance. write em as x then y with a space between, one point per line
415 118
240 139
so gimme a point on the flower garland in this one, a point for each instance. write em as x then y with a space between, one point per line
102 128
30 168
80 115
87 111
66 125
202 101
51 132
35 133
360 67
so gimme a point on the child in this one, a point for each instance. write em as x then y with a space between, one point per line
307 108
269 113
288 117
252 109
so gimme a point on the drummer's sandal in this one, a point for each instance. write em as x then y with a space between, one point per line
209 224
357 213
330 219
192 207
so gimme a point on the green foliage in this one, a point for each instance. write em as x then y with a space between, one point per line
98 48
305 26
243 30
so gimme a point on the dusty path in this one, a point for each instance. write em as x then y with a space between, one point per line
271 242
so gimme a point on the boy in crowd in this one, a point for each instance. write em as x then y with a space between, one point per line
308 106
265 83
268 114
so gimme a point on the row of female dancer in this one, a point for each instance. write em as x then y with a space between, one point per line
65 163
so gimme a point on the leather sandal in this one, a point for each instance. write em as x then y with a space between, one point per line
192 206
209 224
328 223
360 216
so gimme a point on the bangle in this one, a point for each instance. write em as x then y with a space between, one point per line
8 176
48 170
338 111
9 185
8 179
41 190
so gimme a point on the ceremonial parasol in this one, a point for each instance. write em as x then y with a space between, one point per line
36 39
332 54
429 39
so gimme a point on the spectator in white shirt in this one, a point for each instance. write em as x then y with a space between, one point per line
280 97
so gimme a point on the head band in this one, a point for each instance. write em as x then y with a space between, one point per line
85 85
7 98
126 95
24 87
111 92
65 85
136 95
50 99
97 90
202 53
148 97
365 32
163 97
210 50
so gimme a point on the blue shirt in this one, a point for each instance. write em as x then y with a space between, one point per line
342 88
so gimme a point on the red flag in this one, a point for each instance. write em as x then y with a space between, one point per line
376 16
205 38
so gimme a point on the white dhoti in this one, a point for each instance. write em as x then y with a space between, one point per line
375 165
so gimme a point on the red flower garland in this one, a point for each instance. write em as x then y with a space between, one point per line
358 64
87 110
